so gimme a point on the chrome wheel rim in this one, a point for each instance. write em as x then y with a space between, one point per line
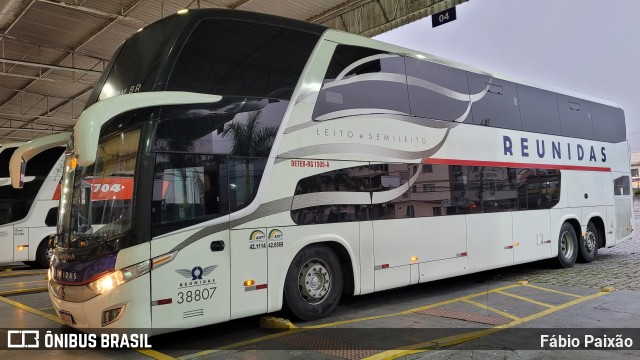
567 245
48 254
314 281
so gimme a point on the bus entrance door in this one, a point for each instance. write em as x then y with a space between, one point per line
6 243
192 289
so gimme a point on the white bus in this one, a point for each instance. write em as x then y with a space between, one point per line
29 206
272 163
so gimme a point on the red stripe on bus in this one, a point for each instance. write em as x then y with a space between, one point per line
165 301
434 161
261 286
56 194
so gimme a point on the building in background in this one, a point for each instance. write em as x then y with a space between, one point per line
635 165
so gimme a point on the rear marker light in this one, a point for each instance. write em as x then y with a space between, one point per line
22 247
249 282
414 258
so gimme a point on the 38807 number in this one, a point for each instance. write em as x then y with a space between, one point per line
196 295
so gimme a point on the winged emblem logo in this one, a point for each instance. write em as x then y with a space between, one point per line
197 272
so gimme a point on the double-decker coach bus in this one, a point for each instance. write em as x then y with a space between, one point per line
29 206
279 163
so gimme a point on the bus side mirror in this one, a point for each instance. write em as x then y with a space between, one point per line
23 168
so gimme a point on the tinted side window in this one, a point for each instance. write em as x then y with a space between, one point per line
240 130
499 106
398 191
238 58
187 189
436 91
575 117
608 123
622 186
52 217
362 81
539 110
138 60
306 209
491 189
538 188
41 164
5 156
350 179
15 203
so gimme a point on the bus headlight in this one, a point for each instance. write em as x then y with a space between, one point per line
109 281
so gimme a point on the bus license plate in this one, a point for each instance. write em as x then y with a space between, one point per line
66 317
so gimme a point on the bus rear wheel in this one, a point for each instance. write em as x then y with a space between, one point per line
313 285
567 246
589 244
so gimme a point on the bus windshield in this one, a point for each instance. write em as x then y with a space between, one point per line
101 194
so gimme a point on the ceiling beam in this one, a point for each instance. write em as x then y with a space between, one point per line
12 115
50 111
42 78
89 10
15 21
52 46
50 66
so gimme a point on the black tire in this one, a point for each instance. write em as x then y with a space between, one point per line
43 254
589 244
567 246
313 285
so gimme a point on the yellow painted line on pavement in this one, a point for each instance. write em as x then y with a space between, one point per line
461 338
31 310
551 290
23 282
336 323
23 273
24 291
46 308
155 354
525 299
150 353
461 298
487 307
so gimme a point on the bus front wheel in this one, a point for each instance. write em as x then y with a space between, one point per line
43 254
589 244
567 246
313 285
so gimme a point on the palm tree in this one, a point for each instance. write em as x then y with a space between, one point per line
250 140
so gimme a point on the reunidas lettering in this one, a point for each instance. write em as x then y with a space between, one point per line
552 149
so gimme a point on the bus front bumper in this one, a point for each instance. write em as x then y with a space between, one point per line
100 312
